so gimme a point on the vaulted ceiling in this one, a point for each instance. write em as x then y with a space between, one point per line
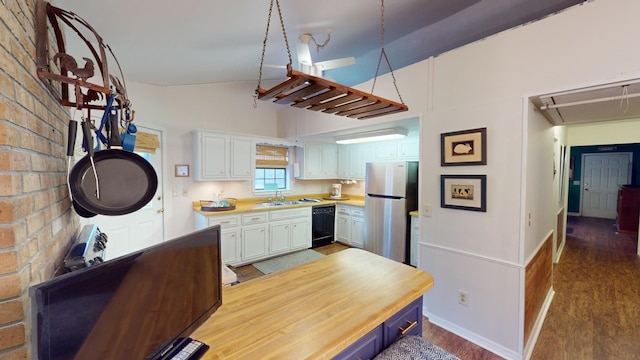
185 42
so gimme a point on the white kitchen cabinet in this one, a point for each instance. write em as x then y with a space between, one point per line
317 161
300 234
290 229
350 225
357 227
243 152
279 237
352 161
211 156
254 242
386 150
229 234
409 149
219 157
343 225
253 236
415 238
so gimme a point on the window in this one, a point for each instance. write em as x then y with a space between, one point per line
271 168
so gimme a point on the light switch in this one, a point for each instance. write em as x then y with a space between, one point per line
185 192
176 192
427 210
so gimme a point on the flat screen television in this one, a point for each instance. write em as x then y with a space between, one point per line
136 306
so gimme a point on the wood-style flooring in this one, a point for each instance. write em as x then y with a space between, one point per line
595 313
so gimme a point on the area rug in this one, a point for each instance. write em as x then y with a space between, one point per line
414 348
286 261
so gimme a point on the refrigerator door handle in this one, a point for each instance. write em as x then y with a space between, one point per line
385 196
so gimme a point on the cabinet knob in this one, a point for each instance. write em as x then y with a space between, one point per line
160 211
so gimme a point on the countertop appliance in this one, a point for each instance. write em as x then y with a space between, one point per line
336 191
391 190
322 225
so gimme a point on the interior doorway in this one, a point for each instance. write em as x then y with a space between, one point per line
602 175
140 229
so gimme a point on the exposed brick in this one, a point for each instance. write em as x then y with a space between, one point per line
11 336
10 286
6 211
7 237
15 354
10 184
11 311
8 262
35 222
30 182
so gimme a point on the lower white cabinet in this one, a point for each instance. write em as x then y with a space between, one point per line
254 242
415 237
253 236
350 225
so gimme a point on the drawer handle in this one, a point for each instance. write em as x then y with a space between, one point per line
224 222
411 326
255 218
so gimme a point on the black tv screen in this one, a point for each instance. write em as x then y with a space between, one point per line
132 307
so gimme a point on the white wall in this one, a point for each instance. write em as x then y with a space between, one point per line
484 84
611 132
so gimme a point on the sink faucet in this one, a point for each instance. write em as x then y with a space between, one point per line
279 198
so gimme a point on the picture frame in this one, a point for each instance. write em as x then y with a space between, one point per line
467 147
182 170
464 192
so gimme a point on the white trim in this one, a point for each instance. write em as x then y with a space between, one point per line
535 332
472 255
472 337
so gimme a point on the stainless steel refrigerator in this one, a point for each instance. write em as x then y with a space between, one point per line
391 190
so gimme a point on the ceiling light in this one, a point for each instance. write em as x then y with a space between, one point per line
376 135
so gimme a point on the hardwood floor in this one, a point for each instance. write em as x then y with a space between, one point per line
595 313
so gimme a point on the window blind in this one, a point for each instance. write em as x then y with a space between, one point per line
271 156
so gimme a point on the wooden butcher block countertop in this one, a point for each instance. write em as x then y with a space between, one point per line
311 311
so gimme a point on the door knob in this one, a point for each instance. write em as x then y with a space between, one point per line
159 211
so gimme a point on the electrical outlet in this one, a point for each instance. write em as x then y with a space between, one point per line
463 297
185 192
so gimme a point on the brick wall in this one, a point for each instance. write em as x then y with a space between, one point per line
36 221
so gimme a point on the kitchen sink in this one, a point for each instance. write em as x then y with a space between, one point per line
281 203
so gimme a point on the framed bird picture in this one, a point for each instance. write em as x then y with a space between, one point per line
467 147
464 192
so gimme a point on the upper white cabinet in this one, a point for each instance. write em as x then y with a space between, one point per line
352 159
409 149
220 156
317 161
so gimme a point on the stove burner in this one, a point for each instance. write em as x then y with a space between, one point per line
89 249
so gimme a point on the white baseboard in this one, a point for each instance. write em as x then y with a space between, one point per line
535 332
472 337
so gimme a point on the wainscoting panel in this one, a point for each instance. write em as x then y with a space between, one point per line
537 284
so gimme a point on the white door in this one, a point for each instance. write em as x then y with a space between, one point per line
140 229
602 176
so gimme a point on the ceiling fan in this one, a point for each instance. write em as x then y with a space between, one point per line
306 64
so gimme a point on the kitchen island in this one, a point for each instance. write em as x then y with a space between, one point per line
312 311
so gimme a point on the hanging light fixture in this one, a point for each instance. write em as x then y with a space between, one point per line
375 135
317 94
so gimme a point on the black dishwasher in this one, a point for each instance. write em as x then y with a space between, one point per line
322 225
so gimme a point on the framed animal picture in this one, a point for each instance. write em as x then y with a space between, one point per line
464 192
467 147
